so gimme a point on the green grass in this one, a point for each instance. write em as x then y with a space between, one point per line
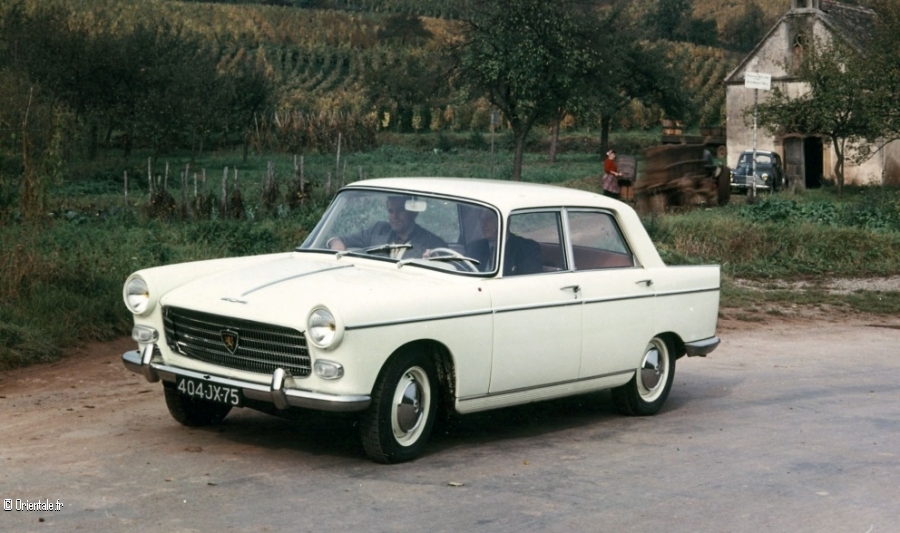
61 279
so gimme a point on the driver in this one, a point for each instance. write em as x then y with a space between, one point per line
400 228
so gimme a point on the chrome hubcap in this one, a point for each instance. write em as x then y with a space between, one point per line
650 370
408 409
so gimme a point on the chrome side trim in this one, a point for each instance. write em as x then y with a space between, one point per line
619 298
416 320
526 308
692 291
566 303
702 347
281 391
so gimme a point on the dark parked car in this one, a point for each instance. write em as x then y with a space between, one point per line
769 172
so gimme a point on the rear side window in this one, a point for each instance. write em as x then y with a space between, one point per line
597 242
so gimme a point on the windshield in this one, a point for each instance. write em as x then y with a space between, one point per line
762 160
404 227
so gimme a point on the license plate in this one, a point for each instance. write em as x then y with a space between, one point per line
206 390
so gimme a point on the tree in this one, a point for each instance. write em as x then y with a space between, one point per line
668 19
625 68
672 20
744 32
837 103
523 57
882 71
404 80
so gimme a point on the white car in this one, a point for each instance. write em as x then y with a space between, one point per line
414 295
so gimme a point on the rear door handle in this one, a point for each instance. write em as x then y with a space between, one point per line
574 288
646 282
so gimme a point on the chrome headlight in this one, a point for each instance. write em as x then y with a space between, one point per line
322 329
137 295
765 177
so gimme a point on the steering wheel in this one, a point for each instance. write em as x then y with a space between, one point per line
449 252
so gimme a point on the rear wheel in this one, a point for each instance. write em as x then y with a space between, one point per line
398 423
191 411
647 391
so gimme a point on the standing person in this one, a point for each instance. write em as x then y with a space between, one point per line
611 175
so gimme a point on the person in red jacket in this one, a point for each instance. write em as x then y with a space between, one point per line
611 175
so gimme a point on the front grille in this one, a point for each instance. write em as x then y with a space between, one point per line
260 347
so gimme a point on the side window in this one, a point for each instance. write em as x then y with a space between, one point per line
597 242
533 244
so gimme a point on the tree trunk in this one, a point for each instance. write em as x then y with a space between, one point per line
839 164
93 142
554 140
518 155
605 121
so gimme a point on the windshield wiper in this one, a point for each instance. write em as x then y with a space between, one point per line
372 249
386 248
474 261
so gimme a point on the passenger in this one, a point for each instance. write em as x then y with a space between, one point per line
522 256
400 228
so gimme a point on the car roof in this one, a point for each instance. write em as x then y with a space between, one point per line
505 195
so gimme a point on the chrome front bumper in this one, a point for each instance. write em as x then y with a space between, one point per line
759 187
281 391
702 347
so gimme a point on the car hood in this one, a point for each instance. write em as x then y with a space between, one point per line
284 289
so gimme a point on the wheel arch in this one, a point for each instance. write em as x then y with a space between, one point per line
443 360
675 342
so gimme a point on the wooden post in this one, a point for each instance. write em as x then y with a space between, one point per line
223 209
337 165
126 187
150 175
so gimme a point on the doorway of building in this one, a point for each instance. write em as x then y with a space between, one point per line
813 162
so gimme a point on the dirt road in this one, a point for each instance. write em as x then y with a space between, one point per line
791 425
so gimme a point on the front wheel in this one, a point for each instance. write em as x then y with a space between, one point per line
647 391
194 412
397 424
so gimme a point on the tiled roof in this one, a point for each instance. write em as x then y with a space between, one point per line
854 23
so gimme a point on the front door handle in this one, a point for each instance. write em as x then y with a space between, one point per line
646 282
574 288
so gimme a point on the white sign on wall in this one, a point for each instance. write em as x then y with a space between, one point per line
757 80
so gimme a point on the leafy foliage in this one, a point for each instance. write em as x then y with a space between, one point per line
745 32
882 72
528 58
880 211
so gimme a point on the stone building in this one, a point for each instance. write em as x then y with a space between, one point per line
807 159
